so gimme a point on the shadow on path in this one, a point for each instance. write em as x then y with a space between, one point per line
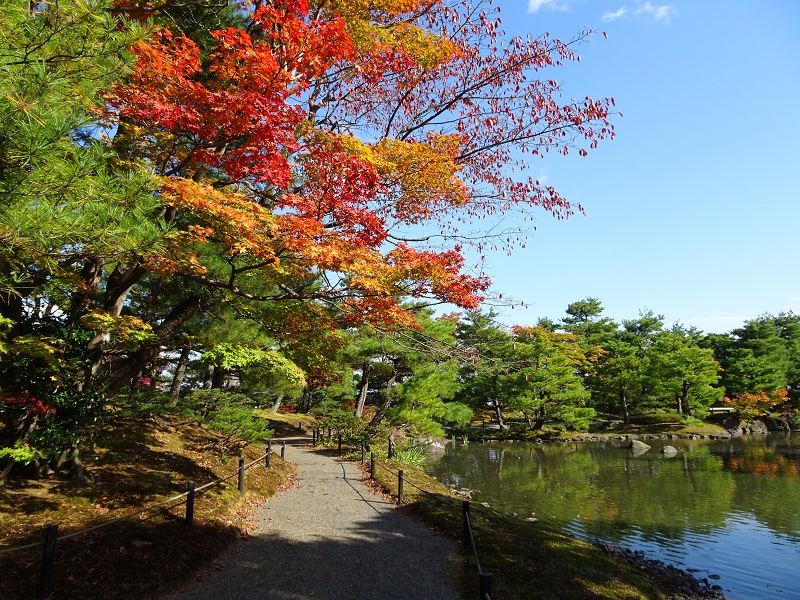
330 537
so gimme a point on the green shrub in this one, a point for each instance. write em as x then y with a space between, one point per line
228 413
794 419
331 414
413 455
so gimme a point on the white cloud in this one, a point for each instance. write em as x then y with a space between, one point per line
611 16
535 5
662 13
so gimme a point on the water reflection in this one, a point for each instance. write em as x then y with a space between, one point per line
729 507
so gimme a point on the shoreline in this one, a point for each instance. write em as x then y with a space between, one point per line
680 582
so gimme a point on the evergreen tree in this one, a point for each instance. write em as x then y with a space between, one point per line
489 352
683 374
67 207
789 329
543 381
756 360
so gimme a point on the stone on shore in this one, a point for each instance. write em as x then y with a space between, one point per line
669 451
638 446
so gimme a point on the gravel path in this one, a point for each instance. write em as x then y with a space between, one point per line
330 538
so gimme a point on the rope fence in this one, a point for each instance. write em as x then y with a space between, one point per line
45 584
484 579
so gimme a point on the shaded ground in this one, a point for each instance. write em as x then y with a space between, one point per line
135 463
331 538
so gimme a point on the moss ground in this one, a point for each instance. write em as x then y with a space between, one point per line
481 429
135 463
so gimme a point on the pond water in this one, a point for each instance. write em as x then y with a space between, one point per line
727 509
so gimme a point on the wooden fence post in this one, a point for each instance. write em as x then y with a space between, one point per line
190 503
372 465
269 452
283 449
400 486
486 586
314 436
44 587
467 528
241 477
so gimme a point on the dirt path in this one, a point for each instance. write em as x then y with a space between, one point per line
330 538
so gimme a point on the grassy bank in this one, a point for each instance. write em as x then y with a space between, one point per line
484 426
136 463
527 559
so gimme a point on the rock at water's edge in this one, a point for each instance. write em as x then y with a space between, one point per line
669 451
776 424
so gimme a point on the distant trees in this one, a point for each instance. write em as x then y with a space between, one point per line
754 357
630 368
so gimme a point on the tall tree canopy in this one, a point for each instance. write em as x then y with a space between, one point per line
331 156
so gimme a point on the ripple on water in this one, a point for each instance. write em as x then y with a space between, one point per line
742 554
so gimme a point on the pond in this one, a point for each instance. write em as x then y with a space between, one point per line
727 509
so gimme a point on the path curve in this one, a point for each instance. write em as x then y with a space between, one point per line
330 538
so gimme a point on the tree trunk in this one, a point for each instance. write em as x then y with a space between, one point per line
180 373
623 401
85 299
136 383
19 433
167 330
686 409
122 279
366 369
307 400
5 467
277 404
388 395
218 380
208 376
499 414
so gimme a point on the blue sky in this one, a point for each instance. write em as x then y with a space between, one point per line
692 211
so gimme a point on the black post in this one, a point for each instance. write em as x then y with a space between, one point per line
241 477
44 587
486 586
467 528
190 503
372 465
400 486
269 452
314 436
300 426
340 443
283 449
